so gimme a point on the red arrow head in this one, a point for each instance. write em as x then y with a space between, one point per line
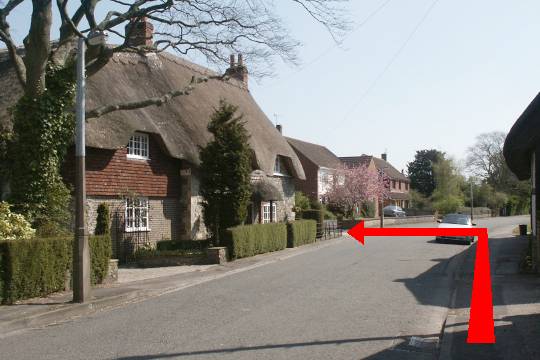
357 232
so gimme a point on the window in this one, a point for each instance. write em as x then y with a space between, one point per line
279 167
138 146
393 184
399 185
406 186
266 213
137 214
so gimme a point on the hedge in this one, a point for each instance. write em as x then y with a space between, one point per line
317 215
301 232
100 254
250 240
37 267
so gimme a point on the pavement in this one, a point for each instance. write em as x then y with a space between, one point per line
394 298
516 306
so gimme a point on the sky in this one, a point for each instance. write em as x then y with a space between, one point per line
418 74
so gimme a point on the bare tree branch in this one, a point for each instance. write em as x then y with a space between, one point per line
5 37
157 101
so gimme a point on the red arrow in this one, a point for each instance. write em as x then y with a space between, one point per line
481 326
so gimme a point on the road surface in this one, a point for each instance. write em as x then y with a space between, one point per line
386 300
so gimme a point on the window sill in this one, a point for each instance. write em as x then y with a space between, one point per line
136 157
137 230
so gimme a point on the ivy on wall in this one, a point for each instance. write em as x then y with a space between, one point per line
43 128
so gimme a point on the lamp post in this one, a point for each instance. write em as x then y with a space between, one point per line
81 251
472 204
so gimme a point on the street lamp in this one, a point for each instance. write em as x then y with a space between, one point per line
81 252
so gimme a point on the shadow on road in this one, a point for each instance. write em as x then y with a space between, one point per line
505 256
239 349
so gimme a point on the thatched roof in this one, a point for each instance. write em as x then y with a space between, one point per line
181 124
264 190
317 154
522 140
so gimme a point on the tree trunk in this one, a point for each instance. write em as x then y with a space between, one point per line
37 45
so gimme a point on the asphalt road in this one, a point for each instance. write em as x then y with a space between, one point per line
386 300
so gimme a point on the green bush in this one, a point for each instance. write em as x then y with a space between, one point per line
301 232
250 240
100 254
318 216
103 220
301 201
35 267
13 226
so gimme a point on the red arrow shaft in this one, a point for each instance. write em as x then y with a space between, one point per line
425 231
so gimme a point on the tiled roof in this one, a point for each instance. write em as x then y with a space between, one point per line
318 154
380 164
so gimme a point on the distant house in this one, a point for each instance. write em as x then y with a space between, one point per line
522 153
398 182
319 165
144 162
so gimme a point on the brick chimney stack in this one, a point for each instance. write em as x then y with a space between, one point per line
383 156
140 32
238 70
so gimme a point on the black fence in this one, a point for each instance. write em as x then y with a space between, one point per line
126 242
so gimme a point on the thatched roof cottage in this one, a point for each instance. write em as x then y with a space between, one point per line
144 162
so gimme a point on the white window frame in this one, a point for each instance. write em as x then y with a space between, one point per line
138 147
136 214
266 212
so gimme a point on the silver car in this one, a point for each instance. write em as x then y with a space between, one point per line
393 211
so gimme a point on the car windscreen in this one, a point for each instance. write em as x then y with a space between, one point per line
456 219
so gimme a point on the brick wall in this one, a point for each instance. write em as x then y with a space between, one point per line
111 173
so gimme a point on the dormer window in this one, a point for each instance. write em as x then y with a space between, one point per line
279 167
138 147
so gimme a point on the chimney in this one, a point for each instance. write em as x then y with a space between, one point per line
238 70
139 32
383 156
279 128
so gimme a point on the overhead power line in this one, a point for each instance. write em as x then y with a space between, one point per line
388 64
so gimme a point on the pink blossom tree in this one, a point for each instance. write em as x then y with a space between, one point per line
353 186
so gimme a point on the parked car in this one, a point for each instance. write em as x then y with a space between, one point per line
456 221
394 211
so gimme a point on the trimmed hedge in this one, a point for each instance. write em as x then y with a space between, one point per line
250 240
37 267
100 254
301 232
318 216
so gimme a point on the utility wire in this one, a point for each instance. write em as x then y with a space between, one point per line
388 65
336 44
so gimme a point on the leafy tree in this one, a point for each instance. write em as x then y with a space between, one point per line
225 172
42 121
420 171
447 195
301 201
